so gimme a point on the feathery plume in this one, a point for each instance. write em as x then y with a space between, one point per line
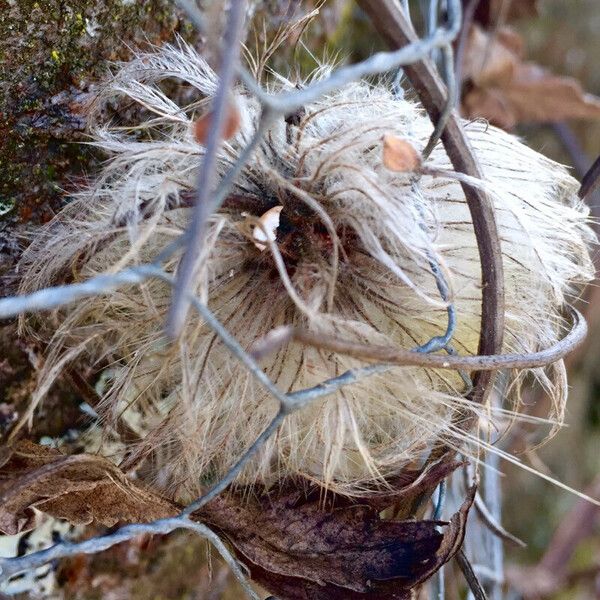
318 233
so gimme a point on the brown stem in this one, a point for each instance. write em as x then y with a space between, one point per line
591 180
393 26
393 355
467 571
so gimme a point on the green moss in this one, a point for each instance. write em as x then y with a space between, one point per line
51 55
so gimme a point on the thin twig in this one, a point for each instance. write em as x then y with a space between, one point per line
467 570
402 357
496 528
591 180
569 141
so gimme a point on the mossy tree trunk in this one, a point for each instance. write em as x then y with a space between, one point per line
53 56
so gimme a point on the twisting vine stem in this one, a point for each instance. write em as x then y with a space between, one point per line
397 30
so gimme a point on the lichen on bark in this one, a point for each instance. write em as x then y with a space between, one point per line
52 55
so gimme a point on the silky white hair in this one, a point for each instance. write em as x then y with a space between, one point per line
358 242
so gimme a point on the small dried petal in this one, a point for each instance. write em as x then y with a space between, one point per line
270 221
232 124
400 155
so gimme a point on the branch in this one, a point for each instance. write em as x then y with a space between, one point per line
490 522
467 571
394 27
392 355
591 180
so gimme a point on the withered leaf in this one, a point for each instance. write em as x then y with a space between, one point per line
506 91
490 61
399 155
332 551
80 488
297 541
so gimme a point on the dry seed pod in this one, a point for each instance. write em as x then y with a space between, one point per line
357 241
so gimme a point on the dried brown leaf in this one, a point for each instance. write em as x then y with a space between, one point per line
81 489
537 95
296 540
488 61
511 40
506 91
490 104
302 546
400 155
